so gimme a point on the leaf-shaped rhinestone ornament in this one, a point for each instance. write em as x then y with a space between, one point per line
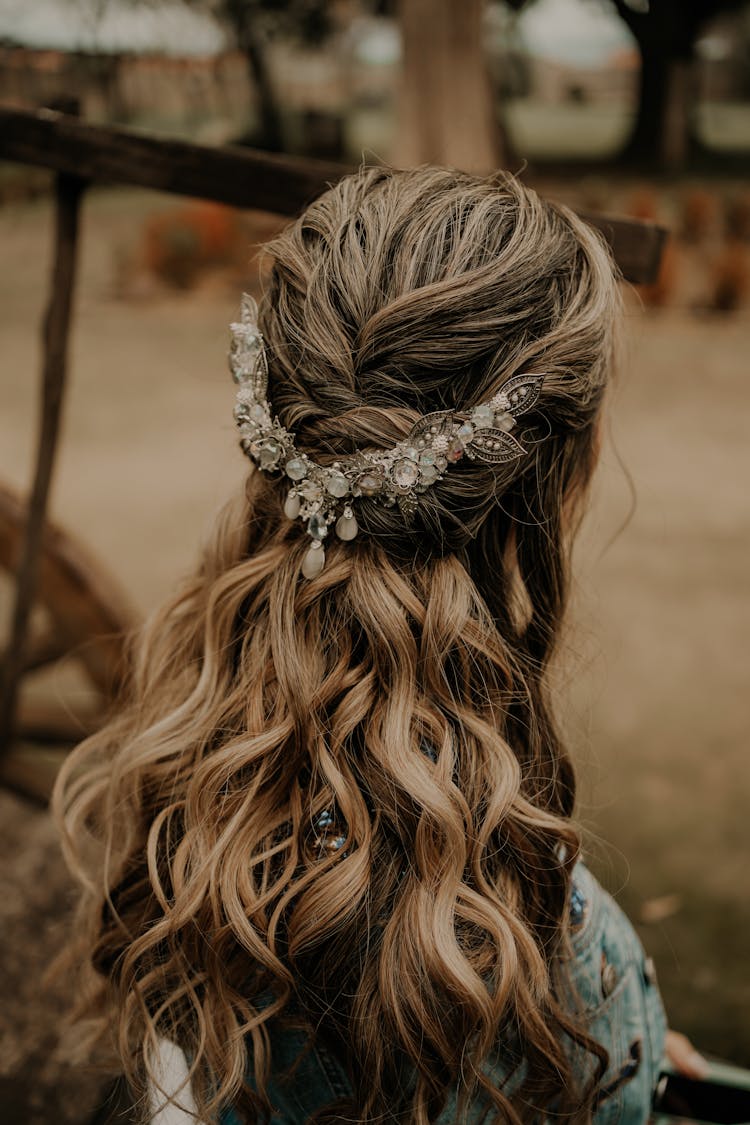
522 393
437 422
323 495
495 446
247 354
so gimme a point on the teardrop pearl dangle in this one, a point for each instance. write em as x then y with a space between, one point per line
346 525
292 505
314 560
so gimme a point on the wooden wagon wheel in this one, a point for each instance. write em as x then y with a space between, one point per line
88 617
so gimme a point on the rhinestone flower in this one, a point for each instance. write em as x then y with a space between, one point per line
405 473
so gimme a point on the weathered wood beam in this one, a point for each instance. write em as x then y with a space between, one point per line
636 245
30 769
237 176
43 649
50 722
40 650
69 190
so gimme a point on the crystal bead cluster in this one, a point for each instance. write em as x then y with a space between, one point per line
329 837
324 495
331 834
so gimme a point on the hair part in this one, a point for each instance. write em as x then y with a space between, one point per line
403 689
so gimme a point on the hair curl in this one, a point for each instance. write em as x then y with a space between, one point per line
257 701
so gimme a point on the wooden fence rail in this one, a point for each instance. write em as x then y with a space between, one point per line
237 176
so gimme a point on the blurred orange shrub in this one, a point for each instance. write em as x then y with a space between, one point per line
644 204
699 214
180 244
738 217
731 277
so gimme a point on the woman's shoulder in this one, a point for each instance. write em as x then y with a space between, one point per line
604 945
594 913
614 994
616 997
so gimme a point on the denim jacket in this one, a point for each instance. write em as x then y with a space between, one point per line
622 1010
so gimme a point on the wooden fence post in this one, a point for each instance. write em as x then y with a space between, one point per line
69 190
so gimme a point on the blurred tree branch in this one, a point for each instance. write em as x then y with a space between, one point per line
251 25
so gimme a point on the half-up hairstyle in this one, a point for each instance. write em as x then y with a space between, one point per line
398 698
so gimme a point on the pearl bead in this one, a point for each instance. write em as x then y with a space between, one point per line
292 505
346 526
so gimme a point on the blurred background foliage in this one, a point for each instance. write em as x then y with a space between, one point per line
662 84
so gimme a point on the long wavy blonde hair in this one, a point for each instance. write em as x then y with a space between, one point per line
402 692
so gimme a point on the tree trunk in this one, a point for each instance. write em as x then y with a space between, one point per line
271 133
661 132
644 143
446 113
665 35
677 136
239 16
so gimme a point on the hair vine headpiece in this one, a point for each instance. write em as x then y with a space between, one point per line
322 494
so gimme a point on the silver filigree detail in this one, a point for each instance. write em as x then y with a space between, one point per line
496 446
437 423
395 476
407 503
522 393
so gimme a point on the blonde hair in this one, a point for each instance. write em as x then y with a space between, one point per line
403 690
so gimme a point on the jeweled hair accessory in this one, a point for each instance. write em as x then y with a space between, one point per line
324 494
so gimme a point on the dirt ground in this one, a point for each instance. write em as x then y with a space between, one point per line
653 686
